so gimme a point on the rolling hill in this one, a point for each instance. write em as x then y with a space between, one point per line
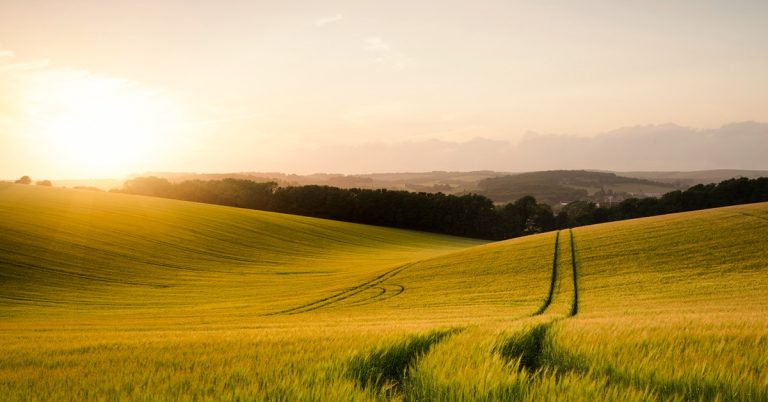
557 186
95 250
110 296
686 179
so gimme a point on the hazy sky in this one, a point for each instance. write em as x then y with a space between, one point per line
105 88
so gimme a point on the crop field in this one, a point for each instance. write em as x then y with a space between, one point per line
116 297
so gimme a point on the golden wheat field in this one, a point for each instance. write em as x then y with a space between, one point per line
115 297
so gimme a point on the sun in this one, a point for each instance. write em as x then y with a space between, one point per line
102 133
101 126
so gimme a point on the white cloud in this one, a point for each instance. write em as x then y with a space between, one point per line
25 66
383 53
376 44
324 21
6 53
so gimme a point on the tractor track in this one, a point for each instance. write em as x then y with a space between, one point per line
754 216
553 281
384 294
346 294
574 267
527 347
575 278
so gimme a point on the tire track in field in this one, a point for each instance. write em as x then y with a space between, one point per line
528 346
379 292
574 278
384 294
753 216
553 281
346 294
537 354
575 305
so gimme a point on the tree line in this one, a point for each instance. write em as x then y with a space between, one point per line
701 196
28 180
469 215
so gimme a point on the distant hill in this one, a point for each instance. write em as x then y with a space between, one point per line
687 179
431 182
560 186
551 186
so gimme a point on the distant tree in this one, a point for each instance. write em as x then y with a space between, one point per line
543 219
151 185
24 180
525 216
579 213
526 208
46 183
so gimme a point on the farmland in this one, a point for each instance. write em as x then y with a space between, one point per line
118 297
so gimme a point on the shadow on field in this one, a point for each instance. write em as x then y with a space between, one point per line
384 369
525 346
536 351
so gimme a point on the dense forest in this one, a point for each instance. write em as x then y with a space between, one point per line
469 215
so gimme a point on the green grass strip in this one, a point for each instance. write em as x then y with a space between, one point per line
527 347
384 369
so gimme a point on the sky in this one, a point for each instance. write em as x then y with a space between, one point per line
108 88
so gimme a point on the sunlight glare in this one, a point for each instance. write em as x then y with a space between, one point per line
102 125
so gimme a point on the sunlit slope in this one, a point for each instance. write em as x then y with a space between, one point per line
673 305
165 300
84 251
705 262
669 308
503 280
709 261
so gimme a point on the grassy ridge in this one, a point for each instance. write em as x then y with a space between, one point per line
93 251
690 289
669 309
261 306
